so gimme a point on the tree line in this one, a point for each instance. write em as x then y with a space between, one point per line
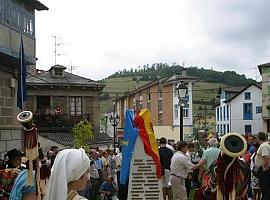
158 70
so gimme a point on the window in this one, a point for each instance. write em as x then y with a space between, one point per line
218 128
224 128
227 112
247 96
247 111
185 112
149 96
159 105
217 113
58 72
160 119
75 105
13 15
248 128
258 109
176 111
228 128
160 94
220 113
224 113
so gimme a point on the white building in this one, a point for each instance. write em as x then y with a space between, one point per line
240 110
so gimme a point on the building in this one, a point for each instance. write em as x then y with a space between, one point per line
239 110
59 99
265 73
161 98
17 19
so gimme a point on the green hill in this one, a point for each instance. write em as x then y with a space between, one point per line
204 91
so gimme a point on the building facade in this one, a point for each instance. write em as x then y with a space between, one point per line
265 73
17 19
59 99
160 97
240 110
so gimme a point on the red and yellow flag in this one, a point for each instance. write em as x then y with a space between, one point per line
145 128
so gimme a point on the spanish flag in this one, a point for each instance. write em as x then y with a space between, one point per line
145 128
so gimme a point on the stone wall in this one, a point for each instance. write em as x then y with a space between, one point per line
9 139
10 129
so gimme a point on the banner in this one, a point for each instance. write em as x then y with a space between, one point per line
22 89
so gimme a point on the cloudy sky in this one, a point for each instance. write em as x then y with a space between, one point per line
100 37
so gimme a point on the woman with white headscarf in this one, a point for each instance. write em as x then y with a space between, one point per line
70 173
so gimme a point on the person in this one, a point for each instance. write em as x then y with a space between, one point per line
118 163
21 190
262 160
228 175
99 165
70 174
190 150
109 189
254 178
94 175
180 167
209 156
165 155
14 158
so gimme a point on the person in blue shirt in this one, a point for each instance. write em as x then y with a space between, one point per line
109 188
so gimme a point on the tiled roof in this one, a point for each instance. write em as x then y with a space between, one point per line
45 78
66 138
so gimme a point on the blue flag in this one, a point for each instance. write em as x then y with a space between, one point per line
130 136
22 90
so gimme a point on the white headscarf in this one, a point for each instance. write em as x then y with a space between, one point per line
69 165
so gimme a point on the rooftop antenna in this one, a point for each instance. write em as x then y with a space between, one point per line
56 44
72 67
256 76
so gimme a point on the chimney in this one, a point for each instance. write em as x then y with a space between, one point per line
184 72
31 69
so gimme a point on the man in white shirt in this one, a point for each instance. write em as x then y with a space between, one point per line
180 167
262 159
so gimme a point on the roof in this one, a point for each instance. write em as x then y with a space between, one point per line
66 138
263 65
45 78
179 77
244 88
163 81
36 4
234 89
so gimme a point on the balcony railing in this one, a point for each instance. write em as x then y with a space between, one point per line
65 121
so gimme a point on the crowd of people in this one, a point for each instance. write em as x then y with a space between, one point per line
95 174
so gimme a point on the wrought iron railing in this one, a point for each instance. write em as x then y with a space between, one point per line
58 121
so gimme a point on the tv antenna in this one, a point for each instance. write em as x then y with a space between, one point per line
256 76
56 44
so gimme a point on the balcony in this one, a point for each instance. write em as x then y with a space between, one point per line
63 121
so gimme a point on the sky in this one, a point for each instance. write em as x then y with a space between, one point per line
100 37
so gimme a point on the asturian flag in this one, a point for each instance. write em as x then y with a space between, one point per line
22 89
143 122
130 136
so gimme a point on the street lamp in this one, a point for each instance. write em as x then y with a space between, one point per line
181 91
114 120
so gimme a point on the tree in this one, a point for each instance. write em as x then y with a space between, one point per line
83 133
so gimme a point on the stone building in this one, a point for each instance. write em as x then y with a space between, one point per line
59 99
17 19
